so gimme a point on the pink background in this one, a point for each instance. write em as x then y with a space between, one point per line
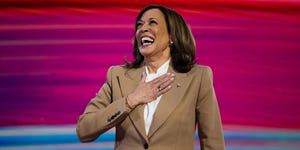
54 57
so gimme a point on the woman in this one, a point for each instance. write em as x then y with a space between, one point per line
156 101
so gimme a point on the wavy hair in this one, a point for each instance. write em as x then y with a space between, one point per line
183 47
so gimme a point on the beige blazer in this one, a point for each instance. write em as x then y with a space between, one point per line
191 102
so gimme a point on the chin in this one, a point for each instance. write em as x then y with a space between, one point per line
146 55
145 51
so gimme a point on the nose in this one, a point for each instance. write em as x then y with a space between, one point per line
144 28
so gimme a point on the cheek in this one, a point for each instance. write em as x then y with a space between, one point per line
163 34
163 38
135 40
137 33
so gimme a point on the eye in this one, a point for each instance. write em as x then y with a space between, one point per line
152 22
139 24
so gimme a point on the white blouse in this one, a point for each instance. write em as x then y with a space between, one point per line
151 107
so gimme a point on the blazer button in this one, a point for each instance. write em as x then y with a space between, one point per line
146 146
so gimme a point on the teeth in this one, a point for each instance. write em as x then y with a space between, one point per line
147 40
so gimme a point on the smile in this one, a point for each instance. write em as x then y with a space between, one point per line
147 41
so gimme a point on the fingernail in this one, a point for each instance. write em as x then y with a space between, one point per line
172 79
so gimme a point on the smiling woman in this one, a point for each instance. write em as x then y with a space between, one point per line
153 38
170 31
151 111
54 54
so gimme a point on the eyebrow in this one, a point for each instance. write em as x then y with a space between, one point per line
148 19
152 19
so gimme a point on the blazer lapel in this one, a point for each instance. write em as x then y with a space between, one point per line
136 116
169 100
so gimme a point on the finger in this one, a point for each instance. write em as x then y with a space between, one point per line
166 83
156 80
163 77
167 79
165 90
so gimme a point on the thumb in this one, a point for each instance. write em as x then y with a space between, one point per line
144 75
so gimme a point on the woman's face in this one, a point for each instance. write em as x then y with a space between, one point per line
152 34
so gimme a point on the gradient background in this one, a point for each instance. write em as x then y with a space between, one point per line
54 56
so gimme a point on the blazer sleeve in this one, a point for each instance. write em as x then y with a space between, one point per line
208 116
102 113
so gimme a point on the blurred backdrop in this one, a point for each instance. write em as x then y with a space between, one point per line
54 56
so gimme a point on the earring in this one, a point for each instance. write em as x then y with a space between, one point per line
171 42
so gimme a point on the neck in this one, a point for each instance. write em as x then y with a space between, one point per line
154 61
152 66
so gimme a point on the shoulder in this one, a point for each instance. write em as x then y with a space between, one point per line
200 69
122 70
115 71
201 73
119 68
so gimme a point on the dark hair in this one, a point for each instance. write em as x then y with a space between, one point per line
183 47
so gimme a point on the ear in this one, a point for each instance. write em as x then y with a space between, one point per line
170 40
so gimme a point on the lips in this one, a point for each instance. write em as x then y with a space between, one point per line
146 40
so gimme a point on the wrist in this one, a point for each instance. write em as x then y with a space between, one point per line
129 103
